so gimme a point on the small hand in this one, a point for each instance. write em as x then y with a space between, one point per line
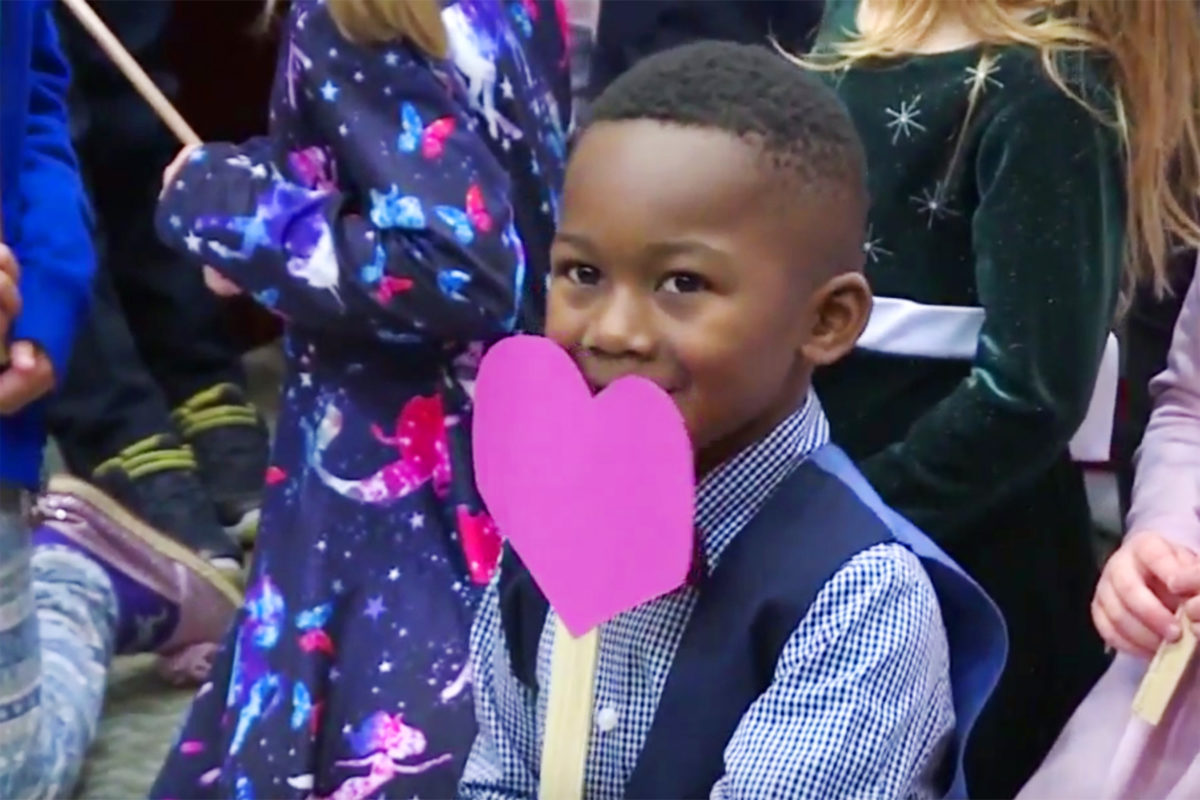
10 295
29 376
1186 584
1133 608
220 285
172 169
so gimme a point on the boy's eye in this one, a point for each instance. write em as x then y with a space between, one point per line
582 274
683 283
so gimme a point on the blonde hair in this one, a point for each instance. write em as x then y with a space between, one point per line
1154 50
376 21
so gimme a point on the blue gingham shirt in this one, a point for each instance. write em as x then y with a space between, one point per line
860 705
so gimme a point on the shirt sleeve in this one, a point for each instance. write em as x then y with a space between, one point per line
399 226
503 763
1048 241
861 705
54 245
1166 494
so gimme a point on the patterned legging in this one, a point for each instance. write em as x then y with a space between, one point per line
57 621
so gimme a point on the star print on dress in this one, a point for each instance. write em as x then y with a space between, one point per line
932 203
873 247
375 608
981 75
904 121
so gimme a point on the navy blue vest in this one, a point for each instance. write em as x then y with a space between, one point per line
818 518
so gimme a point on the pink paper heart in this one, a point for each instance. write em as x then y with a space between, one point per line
596 494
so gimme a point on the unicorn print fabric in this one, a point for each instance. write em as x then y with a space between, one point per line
397 218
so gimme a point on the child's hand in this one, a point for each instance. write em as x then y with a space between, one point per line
29 376
10 295
1133 609
176 165
1187 585
220 285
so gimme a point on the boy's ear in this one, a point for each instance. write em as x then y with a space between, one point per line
840 308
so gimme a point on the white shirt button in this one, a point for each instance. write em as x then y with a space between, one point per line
607 719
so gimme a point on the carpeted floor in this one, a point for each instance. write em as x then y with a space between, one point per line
141 716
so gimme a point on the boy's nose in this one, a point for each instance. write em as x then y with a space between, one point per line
620 328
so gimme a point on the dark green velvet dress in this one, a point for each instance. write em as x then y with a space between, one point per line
1027 223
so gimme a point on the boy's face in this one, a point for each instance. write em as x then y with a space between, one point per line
676 261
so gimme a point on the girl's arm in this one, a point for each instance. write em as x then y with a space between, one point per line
1048 240
1135 602
400 228
1166 494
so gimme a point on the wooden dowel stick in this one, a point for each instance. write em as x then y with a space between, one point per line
1164 673
130 68
568 713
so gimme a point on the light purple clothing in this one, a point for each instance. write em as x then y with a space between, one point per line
1105 752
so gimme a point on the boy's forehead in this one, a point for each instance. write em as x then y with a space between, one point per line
636 181
649 167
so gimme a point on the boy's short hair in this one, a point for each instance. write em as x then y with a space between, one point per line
748 91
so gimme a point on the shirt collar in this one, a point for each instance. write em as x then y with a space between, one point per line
729 496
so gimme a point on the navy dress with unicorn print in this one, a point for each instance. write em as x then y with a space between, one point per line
398 217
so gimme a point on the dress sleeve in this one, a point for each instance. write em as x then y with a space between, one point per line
1166 493
860 705
398 227
1048 242
503 762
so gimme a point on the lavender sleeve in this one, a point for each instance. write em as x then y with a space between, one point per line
1166 491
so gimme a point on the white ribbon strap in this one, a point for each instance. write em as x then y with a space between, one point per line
907 328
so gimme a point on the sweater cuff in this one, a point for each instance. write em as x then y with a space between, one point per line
50 316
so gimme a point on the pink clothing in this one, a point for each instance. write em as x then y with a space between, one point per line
1105 752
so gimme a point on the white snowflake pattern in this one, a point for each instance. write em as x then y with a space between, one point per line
981 75
904 121
932 203
873 246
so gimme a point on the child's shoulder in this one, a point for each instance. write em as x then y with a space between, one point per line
887 574
1019 77
882 574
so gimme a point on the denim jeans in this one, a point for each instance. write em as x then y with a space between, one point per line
57 622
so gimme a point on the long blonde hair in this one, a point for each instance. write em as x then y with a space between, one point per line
376 21
1154 50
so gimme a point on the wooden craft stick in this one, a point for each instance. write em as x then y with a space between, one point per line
568 713
129 66
1163 675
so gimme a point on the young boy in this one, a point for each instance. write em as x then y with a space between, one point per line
711 240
